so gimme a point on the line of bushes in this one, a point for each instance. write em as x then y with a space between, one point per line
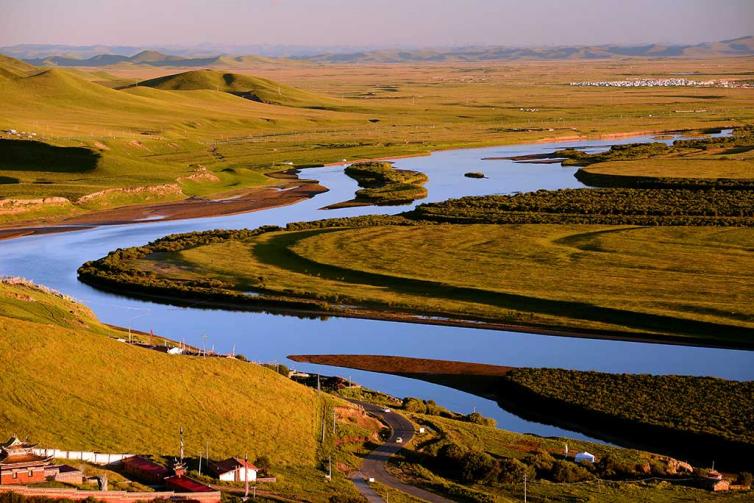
652 182
430 408
696 418
695 404
598 206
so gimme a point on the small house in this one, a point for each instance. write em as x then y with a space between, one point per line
234 470
584 457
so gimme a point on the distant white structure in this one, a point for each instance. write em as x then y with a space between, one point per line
674 82
584 456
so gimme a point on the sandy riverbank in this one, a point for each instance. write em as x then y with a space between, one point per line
255 199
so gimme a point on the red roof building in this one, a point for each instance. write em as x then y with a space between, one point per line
19 464
187 485
145 470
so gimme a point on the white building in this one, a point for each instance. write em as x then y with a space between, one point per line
584 456
234 470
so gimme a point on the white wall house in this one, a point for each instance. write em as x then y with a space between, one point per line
234 470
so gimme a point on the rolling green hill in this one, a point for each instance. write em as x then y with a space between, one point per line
245 86
76 387
11 68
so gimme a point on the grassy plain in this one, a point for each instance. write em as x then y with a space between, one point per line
718 162
147 136
672 280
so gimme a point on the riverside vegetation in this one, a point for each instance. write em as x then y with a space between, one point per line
693 418
725 162
200 133
468 458
384 185
689 283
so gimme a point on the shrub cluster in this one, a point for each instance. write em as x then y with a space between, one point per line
430 408
697 405
471 466
662 182
598 206
384 185
630 151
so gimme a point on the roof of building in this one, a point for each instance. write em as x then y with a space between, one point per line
24 460
232 464
15 443
145 465
188 485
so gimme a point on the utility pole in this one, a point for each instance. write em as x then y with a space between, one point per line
524 488
200 463
323 429
181 444
246 477
204 345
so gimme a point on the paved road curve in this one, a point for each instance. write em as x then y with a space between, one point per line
374 464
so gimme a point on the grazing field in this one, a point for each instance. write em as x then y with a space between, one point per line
693 283
74 386
168 130
726 162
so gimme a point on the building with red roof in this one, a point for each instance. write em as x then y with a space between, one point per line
232 470
187 485
145 470
19 464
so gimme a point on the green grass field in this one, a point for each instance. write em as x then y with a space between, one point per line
146 136
712 161
73 387
656 279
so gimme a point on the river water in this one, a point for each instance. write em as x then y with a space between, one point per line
52 260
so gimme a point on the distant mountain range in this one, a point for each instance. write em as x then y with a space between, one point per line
743 46
42 55
153 58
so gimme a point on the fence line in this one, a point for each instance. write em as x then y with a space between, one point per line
97 458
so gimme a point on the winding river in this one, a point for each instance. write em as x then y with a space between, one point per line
52 260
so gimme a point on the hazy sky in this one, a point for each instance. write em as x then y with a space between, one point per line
372 22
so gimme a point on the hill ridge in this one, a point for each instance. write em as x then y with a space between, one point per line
739 46
245 86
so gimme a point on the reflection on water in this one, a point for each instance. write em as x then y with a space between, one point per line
53 259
